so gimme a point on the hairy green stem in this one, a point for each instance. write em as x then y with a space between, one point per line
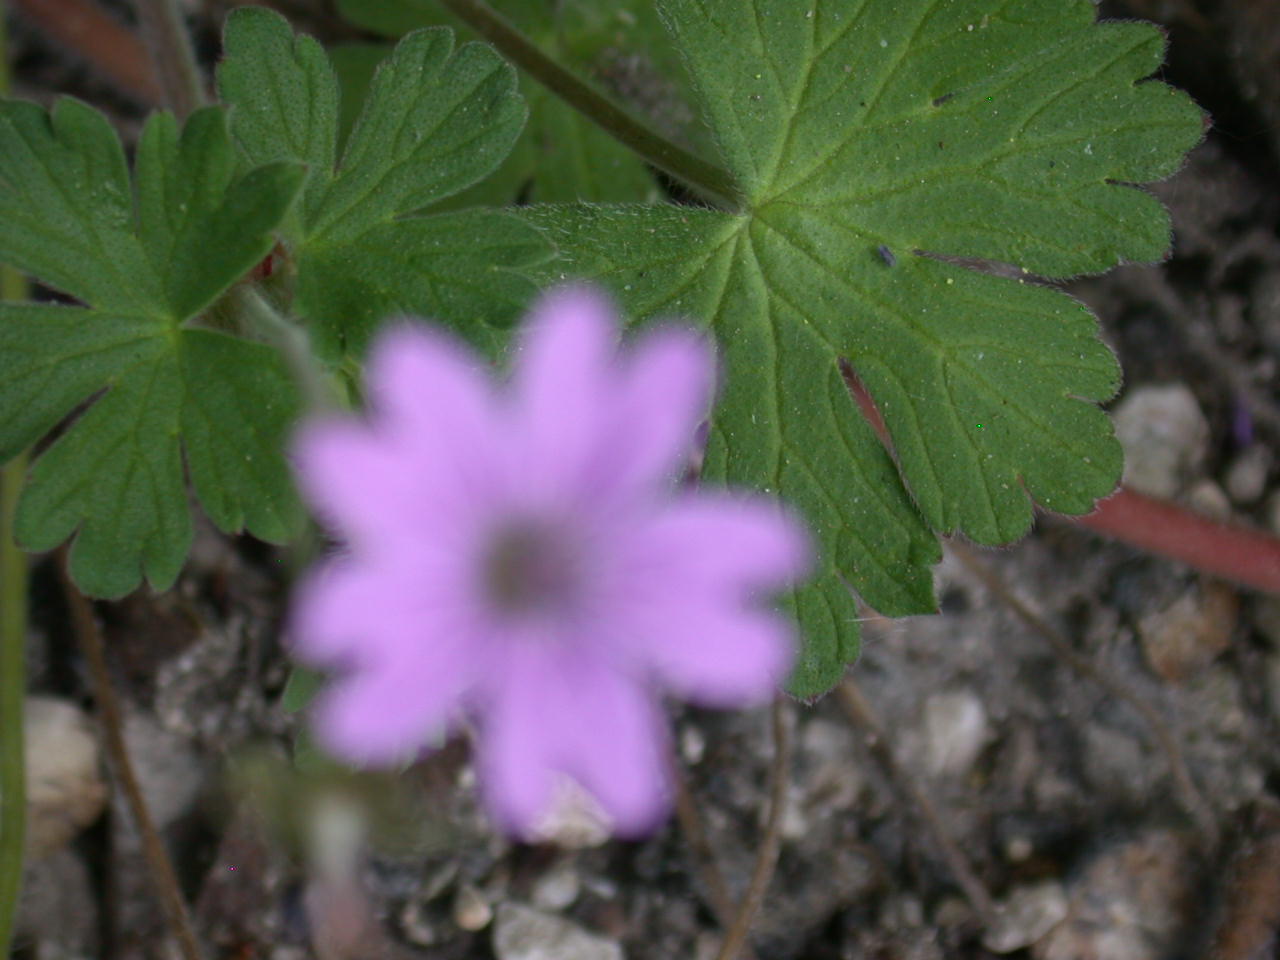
318 394
169 43
13 637
13 631
713 182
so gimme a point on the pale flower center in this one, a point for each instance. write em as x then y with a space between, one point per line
530 568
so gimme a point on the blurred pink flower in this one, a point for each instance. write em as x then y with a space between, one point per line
521 556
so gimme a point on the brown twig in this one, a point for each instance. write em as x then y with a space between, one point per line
767 855
100 40
163 876
860 712
1188 793
704 857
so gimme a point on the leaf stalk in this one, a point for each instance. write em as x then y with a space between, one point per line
13 633
711 181
13 639
169 43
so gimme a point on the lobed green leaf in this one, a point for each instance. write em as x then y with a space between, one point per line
893 159
146 259
562 156
435 121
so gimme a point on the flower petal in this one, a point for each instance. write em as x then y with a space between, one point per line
683 596
556 711
357 483
424 384
665 393
718 543
381 717
618 749
559 387
359 614
711 654
516 755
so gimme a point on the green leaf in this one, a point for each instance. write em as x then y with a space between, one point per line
891 157
562 156
436 120
145 261
453 265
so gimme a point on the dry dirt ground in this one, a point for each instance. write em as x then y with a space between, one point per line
1054 824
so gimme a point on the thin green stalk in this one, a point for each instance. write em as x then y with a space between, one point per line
169 44
318 393
13 636
13 631
711 181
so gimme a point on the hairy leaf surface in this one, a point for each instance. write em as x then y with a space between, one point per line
436 119
892 160
145 258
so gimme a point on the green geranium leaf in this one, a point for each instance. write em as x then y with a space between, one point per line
436 120
561 156
884 150
145 259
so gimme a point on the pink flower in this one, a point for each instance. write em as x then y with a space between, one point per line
520 556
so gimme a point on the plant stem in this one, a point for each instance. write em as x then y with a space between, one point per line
318 395
13 639
169 43
13 631
163 876
1228 550
859 711
100 40
713 182
1231 551
771 843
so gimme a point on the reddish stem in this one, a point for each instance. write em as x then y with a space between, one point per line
1226 550
101 39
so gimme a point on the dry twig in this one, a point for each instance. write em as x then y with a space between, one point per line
163 876
771 842
862 715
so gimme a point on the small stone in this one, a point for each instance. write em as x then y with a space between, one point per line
170 774
693 745
1185 637
1273 685
1018 848
558 887
576 821
1208 499
1246 479
1266 619
65 788
1025 916
417 926
1273 512
1165 437
522 933
1132 901
956 730
954 912
58 910
471 911
1117 764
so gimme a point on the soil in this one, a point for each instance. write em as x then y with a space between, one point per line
1057 795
